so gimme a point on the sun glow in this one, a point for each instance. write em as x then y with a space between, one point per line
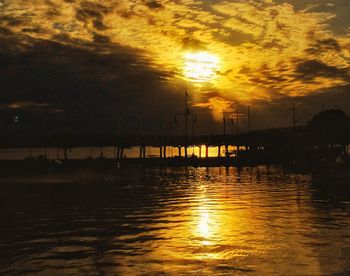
201 67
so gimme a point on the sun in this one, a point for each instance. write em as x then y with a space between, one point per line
201 67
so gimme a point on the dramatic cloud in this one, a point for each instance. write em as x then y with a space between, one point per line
128 57
312 69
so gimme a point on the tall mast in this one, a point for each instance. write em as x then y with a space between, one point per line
249 122
237 121
294 119
192 123
186 121
225 140
224 122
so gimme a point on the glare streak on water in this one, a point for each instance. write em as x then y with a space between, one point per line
175 221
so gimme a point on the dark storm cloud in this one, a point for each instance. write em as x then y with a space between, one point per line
93 89
310 69
77 68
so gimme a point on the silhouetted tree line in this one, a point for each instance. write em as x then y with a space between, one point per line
331 126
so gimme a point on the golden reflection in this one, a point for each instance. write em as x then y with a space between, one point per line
201 67
228 225
203 225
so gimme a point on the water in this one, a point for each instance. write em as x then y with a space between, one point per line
198 221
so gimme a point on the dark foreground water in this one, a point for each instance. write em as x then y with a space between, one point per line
174 221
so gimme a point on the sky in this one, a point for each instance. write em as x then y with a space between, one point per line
123 65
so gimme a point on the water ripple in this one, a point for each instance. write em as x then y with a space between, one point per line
259 220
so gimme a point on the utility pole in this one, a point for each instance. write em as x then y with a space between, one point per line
294 118
249 125
192 123
237 121
232 124
225 140
186 121
224 122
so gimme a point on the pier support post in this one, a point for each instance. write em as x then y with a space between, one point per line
179 148
206 151
200 151
161 152
65 154
118 152
219 150
164 151
141 152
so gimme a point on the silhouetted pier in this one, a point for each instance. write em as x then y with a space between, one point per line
249 141
326 137
273 144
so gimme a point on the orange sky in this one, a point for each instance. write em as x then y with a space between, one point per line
224 52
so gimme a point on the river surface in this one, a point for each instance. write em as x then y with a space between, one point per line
196 221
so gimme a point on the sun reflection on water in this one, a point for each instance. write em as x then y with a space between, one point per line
203 226
205 221
207 226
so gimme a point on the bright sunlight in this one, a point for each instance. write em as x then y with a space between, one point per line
201 67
